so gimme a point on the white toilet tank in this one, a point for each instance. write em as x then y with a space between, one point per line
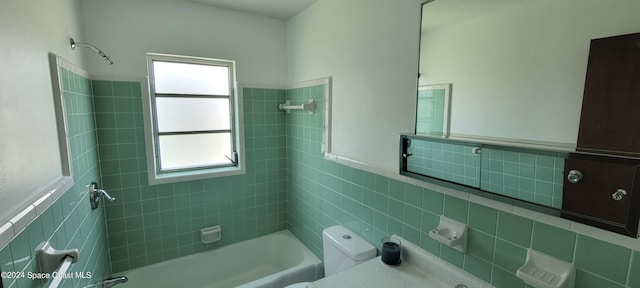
344 249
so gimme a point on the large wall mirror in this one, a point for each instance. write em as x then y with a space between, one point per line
514 73
516 67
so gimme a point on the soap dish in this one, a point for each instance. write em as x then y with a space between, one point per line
544 271
451 233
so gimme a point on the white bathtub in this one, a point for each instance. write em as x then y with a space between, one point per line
273 260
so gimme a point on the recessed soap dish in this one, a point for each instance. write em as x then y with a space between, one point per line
451 233
544 271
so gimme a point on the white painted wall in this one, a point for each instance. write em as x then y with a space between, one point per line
29 154
520 72
370 48
127 30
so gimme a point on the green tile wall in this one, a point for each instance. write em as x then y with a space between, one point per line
69 222
323 193
448 161
154 223
535 177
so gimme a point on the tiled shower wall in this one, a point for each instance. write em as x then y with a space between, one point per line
154 223
69 223
322 193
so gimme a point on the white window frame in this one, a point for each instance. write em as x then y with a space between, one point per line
150 126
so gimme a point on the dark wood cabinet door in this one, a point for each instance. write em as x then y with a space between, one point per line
610 119
593 200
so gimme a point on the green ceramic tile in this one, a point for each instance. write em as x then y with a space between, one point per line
634 272
102 88
382 185
151 219
501 278
478 267
119 266
134 237
508 256
514 229
117 239
35 234
119 254
605 259
20 250
413 195
433 201
394 226
481 245
553 241
7 264
381 203
410 234
122 89
133 222
396 189
452 256
483 218
396 209
429 244
588 280
429 221
412 216
456 208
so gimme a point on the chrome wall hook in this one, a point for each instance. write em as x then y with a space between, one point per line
95 193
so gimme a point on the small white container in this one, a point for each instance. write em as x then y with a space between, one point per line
210 234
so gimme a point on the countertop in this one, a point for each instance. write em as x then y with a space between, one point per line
374 273
419 268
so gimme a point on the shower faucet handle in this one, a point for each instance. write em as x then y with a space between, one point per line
95 193
106 195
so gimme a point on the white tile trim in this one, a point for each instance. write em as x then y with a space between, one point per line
22 218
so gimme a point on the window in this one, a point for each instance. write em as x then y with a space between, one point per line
192 122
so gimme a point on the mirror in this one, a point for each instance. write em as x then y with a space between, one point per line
514 72
516 68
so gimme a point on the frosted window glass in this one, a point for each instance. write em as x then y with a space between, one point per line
195 150
184 78
192 114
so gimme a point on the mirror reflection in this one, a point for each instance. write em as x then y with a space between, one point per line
529 91
516 67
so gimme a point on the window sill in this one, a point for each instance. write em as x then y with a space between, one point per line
173 177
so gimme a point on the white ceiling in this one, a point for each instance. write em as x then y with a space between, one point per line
279 9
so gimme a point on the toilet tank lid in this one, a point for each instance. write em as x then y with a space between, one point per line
349 243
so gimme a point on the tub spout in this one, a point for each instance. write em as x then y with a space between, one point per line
108 283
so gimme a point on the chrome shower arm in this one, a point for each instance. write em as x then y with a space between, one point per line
75 44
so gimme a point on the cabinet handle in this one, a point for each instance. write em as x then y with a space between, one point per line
619 194
574 176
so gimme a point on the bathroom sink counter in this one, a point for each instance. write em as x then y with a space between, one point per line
419 268
374 273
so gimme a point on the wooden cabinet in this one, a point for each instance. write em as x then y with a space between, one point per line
610 117
610 125
606 193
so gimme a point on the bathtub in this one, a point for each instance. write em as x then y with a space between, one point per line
273 260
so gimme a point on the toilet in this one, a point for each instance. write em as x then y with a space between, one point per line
342 249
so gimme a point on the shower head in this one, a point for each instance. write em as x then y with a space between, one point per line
75 44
